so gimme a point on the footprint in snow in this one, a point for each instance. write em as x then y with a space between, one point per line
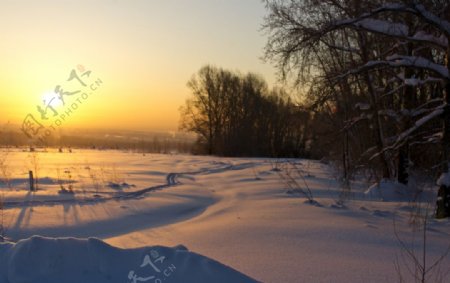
380 213
367 225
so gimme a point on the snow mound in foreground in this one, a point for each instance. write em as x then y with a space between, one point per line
39 260
387 190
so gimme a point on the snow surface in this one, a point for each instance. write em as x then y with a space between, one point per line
237 211
386 190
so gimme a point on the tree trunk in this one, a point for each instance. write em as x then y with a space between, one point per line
345 156
443 199
409 99
403 164
378 130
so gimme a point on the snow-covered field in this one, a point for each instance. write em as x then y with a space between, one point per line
236 211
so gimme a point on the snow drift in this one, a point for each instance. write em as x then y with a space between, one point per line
386 190
57 260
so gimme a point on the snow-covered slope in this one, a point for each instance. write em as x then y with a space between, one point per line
237 211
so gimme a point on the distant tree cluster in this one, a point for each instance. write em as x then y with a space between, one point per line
145 143
237 115
378 76
158 144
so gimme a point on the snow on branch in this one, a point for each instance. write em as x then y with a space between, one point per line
398 30
416 9
397 61
418 124
422 36
424 107
433 19
419 82
383 27
419 62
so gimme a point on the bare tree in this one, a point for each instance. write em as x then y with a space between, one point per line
394 52
237 115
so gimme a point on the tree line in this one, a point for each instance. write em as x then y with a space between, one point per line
374 81
238 115
137 142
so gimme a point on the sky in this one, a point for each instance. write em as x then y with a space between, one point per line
143 52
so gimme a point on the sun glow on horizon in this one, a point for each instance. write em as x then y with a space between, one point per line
133 46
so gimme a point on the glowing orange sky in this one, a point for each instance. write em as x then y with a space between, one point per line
144 51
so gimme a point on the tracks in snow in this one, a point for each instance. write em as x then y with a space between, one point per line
171 181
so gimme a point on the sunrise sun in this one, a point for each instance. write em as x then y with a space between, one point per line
51 99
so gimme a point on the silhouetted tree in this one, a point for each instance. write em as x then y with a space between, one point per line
237 115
